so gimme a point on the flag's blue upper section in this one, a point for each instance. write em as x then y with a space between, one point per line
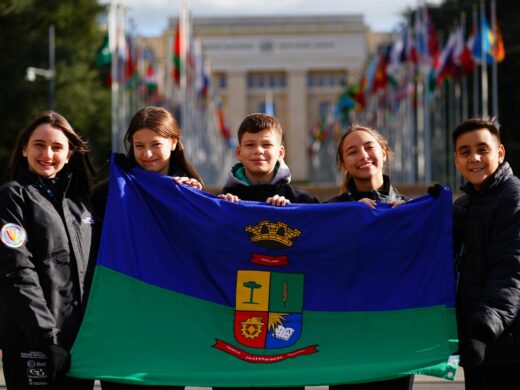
353 258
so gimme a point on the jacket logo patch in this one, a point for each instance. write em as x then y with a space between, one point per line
12 235
87 219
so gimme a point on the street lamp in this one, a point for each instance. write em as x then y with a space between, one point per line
49 74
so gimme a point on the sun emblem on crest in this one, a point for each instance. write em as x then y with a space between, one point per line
252 327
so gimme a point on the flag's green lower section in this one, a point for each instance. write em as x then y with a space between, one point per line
139 333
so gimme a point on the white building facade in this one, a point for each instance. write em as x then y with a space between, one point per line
295 67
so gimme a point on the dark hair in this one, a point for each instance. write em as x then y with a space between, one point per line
490 123
382 141
255 123
164 124
78 162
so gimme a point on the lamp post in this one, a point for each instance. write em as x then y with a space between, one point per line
49 74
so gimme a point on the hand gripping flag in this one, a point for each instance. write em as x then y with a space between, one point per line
193 290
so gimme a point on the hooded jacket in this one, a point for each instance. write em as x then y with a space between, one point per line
237 184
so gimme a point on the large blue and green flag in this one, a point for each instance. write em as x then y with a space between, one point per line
193 290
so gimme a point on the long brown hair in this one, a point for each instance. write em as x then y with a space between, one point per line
382 141
78 162
164 124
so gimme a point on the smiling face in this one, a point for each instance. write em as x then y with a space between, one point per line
478 154
259 152
47 151
152 151
363 158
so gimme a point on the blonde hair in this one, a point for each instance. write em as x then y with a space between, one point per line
382 141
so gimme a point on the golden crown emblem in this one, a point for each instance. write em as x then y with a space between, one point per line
272 235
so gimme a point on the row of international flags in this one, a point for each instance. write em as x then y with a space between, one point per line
417 87
133 73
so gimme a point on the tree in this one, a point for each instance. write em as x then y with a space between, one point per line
80 94
252 285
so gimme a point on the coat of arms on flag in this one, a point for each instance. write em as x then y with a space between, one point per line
269 305
268 309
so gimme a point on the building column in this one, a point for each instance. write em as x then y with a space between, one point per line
295 134
236 99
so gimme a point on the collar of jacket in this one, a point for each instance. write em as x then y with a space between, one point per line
384 194
33 178
237 175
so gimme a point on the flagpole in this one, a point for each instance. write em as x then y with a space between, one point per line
426 99
483 55
476 100
183 50
114 86
168 80
464 76
494 69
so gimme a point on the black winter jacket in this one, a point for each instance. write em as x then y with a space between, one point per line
44 281
260 192
487 239
387 194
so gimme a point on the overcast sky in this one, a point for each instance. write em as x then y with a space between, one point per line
151 16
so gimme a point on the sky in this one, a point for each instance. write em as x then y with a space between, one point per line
150 17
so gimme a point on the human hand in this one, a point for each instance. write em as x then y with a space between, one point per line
472 352
59 361
397 203
229 197
369 202
278 200
435 190
188 181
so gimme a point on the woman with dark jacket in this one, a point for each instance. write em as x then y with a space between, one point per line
363 154
47 251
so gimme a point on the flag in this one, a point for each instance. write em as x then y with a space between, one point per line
370 73
224 130
482 42
467 62
150 78
190 289
497 49
380 76
103 54
447 66
177 54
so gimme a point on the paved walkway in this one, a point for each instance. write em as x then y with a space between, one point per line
421 383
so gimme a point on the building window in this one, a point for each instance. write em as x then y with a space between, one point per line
323 108
266 108
326 79
220 80
283 80
264 80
